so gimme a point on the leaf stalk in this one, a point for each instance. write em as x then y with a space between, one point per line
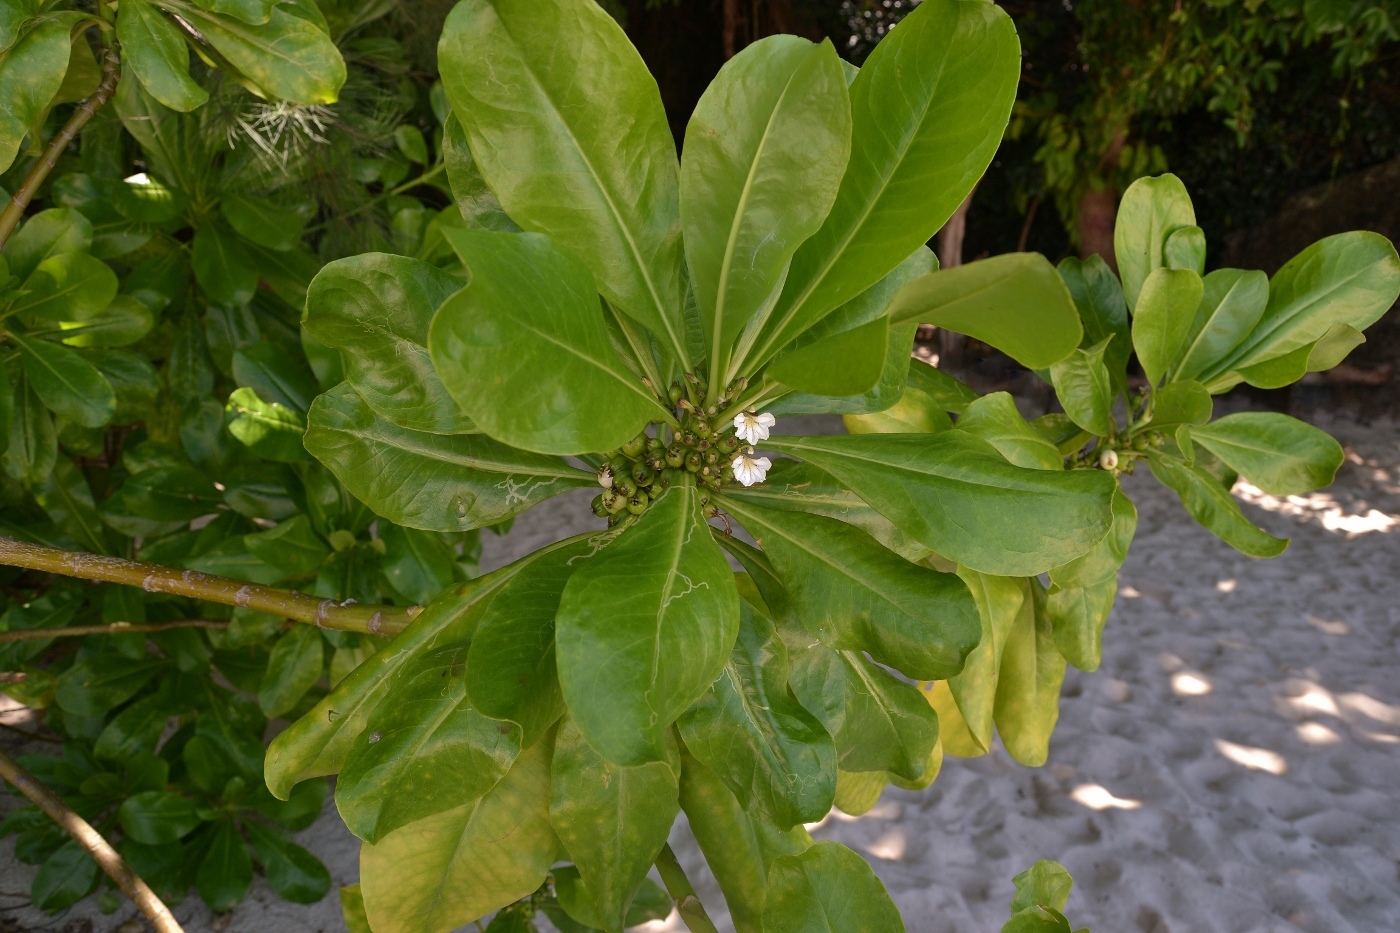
683 893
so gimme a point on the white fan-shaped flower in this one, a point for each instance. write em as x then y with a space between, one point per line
749 469
752 428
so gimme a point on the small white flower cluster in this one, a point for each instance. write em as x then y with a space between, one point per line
752 429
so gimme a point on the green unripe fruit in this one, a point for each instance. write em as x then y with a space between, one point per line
614 503
728 444
711 482
656 461
1156 439
664 479
624 485
599 509
619 466
689 440
703 429
638 503
633 448
1140 442
675 456
643 474
711 457
655 443
675 393
692 462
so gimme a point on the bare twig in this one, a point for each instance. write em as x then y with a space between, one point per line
681 891
102 853
153 578
34 736
111 628
14 211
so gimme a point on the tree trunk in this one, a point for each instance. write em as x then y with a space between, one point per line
950 250
731 27
1098 210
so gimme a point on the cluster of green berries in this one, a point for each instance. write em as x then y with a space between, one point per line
646 466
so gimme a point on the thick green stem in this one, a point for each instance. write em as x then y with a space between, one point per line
683 893
111 628
91 840
14 211
153 578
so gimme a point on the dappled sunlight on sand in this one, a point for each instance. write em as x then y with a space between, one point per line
1321 508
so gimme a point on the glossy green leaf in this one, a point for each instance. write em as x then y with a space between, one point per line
13 17
995 419
66 287
1085 388
540 115
435 482
156 52
66 877
352 909
611 820
526 354
855 595
1077 615
1351 278
1232 303
1108 555
293 872
439 873
287 58
1044 884
1211 504
476 201
157 817
263 222
1016 302
1028 685
222 265
31 72
1178 403
295 665
1162 319
376 307
249 11
66 383
843 364
48 233
857 792
226 869
956 494
775 756
1281 455
270 429
33 444
644 627
1280 371
927 113
1099 299
512 673
581 913
424 751
1151 210
999 601
765 151
293 547
1185 248
922 409
123 322
827 888
417 564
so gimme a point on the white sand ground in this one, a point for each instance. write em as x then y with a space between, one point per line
1233 766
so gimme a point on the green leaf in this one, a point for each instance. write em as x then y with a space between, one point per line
1149 212
293 872
1104 313
957 495
249 11
1351 278
1028 684
1085 388
292 547
1281 455
1044 884
14 16
263 222
434 482
1104 559
1178 403
156 52
847 363
476 201
270 429
417 564
424 731
773 755
1185 248
352 909
124 321
287 57
540 115
999 603
1232 303
295 665
611 820
137 729
318 743
1213 507
66 287
411 143
1078 615
858 791
1016 302
66 877
376 308
526 354
644 627
827 887
439 873
33 445
580 913
927 113
226 870
996 420
512 673
68 384
169 494
31 72
48 233
922 409
222 265
765 151
158 817
855 595
1162 319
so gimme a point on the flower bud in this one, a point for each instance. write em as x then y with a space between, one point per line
1108 460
